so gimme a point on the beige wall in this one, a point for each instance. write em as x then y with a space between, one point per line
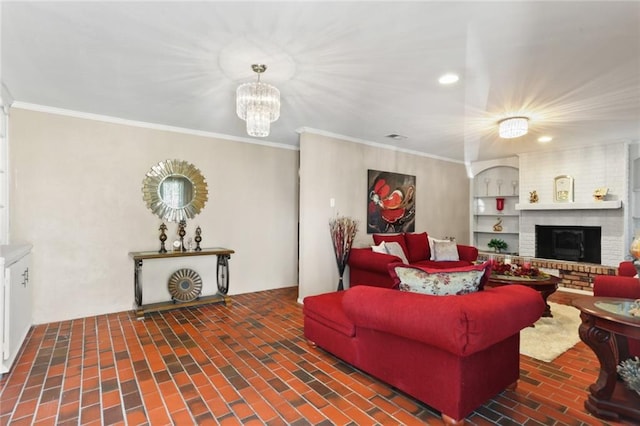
76 195
336 168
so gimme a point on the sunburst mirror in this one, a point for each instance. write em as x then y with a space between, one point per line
174 190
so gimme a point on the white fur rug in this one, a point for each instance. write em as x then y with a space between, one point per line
551 336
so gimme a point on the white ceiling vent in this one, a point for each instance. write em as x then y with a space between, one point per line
396 137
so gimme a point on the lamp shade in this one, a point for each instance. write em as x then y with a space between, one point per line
513 127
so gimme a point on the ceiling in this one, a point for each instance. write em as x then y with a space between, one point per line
359 69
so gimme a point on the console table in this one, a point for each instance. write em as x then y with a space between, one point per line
222 274
606 333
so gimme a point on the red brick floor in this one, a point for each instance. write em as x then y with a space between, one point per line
243 364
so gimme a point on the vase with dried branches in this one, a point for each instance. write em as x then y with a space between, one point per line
343 230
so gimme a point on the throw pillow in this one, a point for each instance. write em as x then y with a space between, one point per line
439 282
395 249
397 238
446 250
380 248
418 246
432 249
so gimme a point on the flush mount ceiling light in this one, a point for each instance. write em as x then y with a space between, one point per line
513 127
258 104
545 139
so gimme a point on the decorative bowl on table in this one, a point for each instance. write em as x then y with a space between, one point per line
515 272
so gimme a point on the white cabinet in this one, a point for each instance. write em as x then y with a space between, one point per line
16 301
495 195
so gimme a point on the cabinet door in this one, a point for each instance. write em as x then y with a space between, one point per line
18 308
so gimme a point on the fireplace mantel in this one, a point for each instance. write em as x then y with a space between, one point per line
594 205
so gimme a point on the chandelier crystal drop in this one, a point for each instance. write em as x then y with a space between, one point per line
258 104
513 127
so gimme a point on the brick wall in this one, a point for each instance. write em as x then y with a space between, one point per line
591 168
575 275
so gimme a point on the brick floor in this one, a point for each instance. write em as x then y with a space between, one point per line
244 364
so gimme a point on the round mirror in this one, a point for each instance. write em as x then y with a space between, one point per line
174 190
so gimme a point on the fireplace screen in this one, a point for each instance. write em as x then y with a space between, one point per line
573 243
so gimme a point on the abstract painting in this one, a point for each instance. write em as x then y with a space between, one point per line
390 202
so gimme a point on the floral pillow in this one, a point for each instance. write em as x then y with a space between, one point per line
439 282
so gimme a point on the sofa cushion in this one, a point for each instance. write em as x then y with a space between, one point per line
418 246
397 238
380 248
394 249
445 250
432 248
327 309
438 282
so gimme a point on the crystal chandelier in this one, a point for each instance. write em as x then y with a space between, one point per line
258 104
513 127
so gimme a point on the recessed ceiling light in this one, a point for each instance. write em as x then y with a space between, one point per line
448 78
545 139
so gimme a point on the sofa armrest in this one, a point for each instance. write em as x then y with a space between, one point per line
468 253
616 286
461 325
365 258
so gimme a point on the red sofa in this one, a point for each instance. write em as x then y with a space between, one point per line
367 267
451 352
622 285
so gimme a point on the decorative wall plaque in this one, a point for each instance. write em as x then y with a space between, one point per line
563 189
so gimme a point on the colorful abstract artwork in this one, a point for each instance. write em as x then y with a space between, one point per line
390 202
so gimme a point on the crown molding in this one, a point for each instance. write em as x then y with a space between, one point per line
145 125
318 132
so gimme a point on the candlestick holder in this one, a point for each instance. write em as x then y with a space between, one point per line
182 233
198 238
163 238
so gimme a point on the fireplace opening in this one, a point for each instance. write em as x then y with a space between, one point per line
574 243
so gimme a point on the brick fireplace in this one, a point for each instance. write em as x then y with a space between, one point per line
591 168
610 221
598 166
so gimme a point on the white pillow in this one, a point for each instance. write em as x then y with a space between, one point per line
446 250
380 248
432 247
395 249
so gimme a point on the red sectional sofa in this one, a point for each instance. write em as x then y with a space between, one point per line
369 268
623 285
451 352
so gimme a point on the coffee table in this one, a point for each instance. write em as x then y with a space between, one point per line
606 331
546 287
